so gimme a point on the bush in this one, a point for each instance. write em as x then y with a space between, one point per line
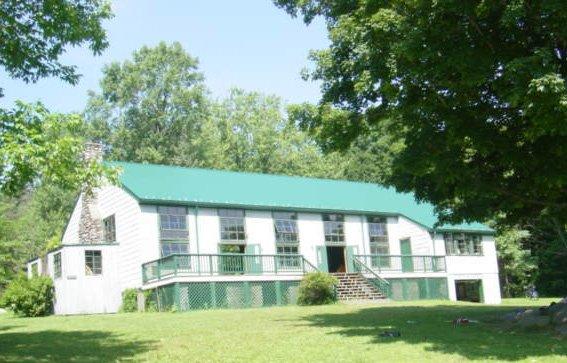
317 288
129 301
29 297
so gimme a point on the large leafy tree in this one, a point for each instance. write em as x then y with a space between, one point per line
35 33
149 106
155 108
38 146
476 91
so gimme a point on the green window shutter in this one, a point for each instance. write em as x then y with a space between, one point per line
253 263
322 259
350 252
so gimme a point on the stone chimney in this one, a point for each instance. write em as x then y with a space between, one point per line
90 223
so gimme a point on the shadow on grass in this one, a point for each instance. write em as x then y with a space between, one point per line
431 326
76 346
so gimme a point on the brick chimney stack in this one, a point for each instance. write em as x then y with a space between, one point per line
90 223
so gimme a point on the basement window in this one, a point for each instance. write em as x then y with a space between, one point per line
93 262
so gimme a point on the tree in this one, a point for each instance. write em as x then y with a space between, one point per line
149 106
35 33
253 135
516 264
476 90
38 145
155 108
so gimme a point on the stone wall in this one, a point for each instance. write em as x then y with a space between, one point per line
90 223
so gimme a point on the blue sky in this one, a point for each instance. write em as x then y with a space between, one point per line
250 44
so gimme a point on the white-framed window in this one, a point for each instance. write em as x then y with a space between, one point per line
57 266
288 257
379 244
109 229
285 226
173 223
93 262
463 244
168 248
334 228
232 229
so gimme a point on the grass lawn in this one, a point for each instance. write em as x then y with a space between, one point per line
336 333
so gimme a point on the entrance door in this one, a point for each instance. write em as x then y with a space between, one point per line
405 251
336 259
229 261
468 290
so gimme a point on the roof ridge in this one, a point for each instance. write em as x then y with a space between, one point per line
262 174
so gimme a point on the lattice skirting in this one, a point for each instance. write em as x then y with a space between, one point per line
418 288
184 296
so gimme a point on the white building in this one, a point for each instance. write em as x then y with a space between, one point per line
206 239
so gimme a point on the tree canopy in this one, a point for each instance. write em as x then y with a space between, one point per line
35 33
476 91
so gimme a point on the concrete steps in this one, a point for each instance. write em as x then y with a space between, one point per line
353 286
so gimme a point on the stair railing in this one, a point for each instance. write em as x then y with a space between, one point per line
378 282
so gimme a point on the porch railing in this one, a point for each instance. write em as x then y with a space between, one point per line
403 264
379 283
225 264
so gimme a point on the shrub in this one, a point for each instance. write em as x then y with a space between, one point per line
317 288
29 297
129 301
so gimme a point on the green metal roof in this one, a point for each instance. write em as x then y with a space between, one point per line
155 184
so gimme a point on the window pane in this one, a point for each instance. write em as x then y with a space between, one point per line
109 229
231 213
463 244
232 225
57 265
93 262
285 215
170 248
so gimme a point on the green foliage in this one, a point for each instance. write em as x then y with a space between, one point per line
517 266
155 108
29 297
38 145
129 301
36 32
317 288
476 91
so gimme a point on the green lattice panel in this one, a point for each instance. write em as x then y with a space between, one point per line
418 288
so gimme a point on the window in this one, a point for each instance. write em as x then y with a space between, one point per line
109 229
288 257
463 244
287 250
334 228
173 223
285 225
174 247
232 225
379 245
93 262
57 265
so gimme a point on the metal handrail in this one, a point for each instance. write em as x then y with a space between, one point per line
225 264
381 284
404 263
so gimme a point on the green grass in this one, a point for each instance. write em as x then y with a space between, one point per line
336 333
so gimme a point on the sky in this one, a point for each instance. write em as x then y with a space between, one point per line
250 44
